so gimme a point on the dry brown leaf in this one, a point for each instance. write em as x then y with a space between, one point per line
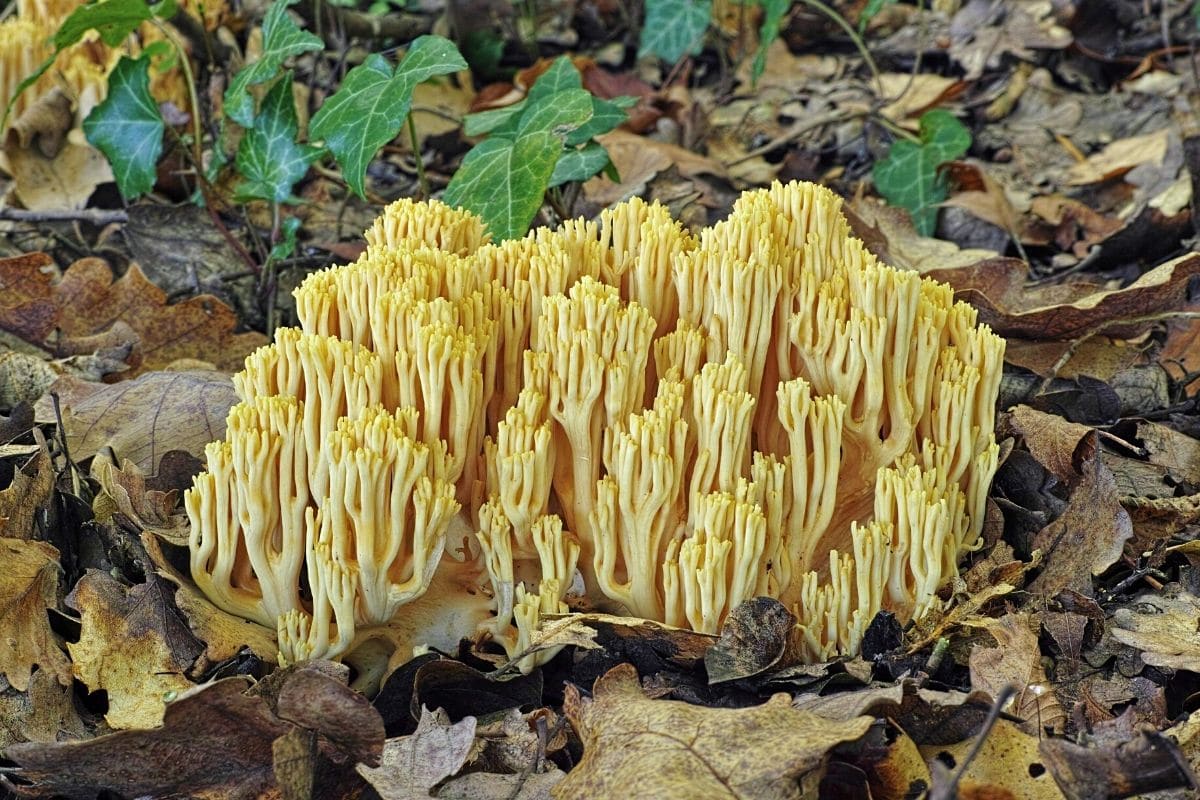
197 328
413 765
638 159
143 418
637 747
223 634
1008 765
134 645
44 713
1169 448
44 124
23 377
915 94
1053 441
29 586
86 302
64 181
31 488
1087 538
1162 627
1066 311
1017 661
901 768
28 284
1140 762
215 744
1119 157
1098 357
493 786
889 234
124 491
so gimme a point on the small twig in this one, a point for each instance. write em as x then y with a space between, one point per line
949 789
92 216
797 130
1073 348
401 26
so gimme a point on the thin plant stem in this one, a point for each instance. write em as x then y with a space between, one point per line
422 181
854 37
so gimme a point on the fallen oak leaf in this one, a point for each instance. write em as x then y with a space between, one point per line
28 587
413 765
1162 627
637 747
133 644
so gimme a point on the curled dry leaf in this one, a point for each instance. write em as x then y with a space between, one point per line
215 742
1087 538
637 747
1066 311
1053 441
45 712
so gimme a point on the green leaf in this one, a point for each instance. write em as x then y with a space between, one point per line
674 28
869 11
559 113
944 136
370 108
287 240
606 115
560 77
908 177
503 181
127 127
493 119
268 158
580 164
282 39
112 19
768 32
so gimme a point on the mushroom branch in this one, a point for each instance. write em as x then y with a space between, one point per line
465 436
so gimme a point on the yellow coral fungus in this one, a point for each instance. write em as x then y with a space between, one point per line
665 423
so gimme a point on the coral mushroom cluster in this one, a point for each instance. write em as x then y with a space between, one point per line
463 436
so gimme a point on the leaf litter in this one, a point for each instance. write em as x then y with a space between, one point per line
1062 667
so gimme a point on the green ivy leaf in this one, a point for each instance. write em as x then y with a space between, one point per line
768 32
503 180
559 113
606 115
580 164
674 28
112 19
943 135
128 128
493 119
287 239
268 158
369 109
908 177
282 39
